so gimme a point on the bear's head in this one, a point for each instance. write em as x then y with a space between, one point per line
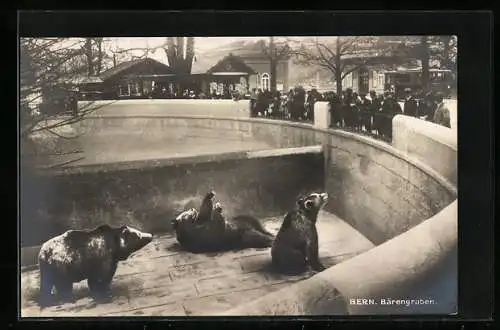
210 195
189 215
131 240
312 203
207 207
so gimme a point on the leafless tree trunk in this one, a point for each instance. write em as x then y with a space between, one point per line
424 52
338 72
89 56
180 54
100 55
189 54
180 58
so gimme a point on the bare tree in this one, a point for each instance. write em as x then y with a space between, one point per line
444 50
275 52
340 55
94 53
48 68
180 54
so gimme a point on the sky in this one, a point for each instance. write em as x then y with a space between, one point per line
202 44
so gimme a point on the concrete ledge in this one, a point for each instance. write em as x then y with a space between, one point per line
433 144
239 108
173 161
402 268
258 163
284 152
29 257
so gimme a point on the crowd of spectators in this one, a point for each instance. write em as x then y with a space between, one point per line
371 113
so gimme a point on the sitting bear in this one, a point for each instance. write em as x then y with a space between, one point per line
295 248
209 231
85 254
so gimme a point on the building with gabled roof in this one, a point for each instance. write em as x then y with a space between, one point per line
248 68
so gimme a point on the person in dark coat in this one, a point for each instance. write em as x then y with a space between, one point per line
390 108
377 103
375 106
349 108
442 114
275 105
253 102
261 102
309 105
335 110
428 107
410 107
299 98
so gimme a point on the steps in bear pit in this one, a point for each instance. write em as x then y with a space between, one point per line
162 280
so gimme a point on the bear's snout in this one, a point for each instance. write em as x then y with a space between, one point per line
147 237
324 196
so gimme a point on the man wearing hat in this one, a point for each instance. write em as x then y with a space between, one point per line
442 114
410 106
390 108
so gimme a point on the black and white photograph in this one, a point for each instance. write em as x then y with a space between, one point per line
238 176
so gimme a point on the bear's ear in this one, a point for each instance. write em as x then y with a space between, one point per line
299 201
308 205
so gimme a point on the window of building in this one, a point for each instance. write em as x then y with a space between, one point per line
129 89
134 89
348 80
124 90
380 79
265 81
374 79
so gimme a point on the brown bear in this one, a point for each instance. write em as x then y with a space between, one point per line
209 231
86 254
295 248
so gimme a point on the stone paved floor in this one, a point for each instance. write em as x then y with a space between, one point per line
161 280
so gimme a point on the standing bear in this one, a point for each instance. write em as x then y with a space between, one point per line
295 248
86 254
208 230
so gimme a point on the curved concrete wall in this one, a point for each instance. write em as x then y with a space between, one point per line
371 183
419 265
433 144
148 194
217 108
381 191
414 272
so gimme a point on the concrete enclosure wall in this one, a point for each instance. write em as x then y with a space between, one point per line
400 197
220 108
149 194
418 268
379 190
432 144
